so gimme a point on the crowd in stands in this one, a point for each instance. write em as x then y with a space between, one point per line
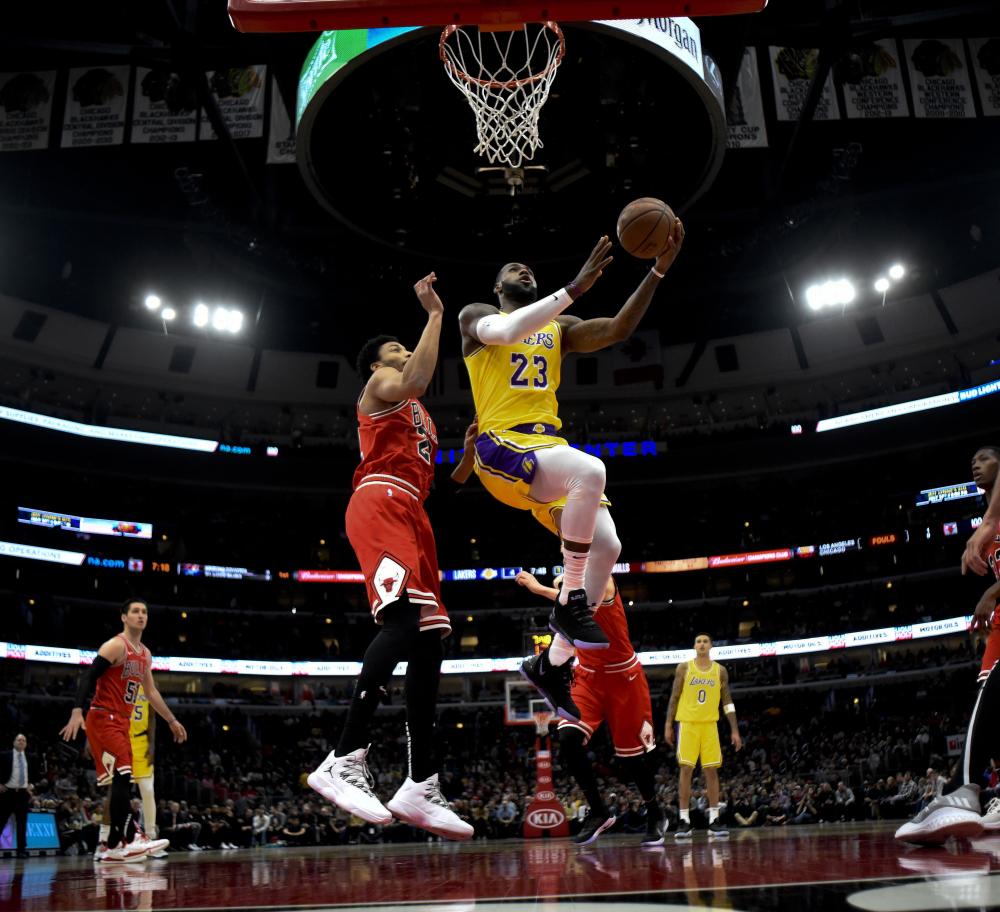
343 631
810 756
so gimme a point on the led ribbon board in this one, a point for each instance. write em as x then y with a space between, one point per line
51 520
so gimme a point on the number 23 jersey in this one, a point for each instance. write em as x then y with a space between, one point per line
517 384
118 688
398 443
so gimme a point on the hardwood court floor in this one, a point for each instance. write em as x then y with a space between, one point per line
807 868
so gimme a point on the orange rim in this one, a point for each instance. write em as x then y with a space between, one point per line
449 64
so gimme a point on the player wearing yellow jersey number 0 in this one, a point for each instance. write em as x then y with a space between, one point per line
700 686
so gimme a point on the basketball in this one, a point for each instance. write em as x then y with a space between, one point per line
644 227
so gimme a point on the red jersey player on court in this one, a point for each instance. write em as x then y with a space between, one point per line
610 686
394 544
121 666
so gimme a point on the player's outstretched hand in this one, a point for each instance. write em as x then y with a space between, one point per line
982 617
595 265
666 259
72 728
178 731
427 296
528 580
972 557
737 741
471 433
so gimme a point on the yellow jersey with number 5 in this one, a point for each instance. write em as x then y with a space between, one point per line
139 723
699 701
517 384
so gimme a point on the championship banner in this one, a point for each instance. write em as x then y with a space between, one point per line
745 114
240 95
164 108
280 133
986 66
939 78
872 81
792 70
95 107
25 110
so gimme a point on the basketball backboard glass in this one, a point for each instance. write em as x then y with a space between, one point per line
322 15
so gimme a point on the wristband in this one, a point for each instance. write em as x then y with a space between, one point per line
729 708
573 290
659 275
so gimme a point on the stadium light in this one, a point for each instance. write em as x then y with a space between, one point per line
220 319
200 315
152 302
896 271
832 293
168 313
881 284
235 321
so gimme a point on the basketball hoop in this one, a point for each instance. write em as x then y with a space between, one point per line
505 75
542 721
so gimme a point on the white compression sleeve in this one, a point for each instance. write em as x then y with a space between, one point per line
505 330
148 806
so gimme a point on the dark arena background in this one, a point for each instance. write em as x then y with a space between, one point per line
204 214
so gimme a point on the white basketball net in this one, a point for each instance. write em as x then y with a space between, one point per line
506 77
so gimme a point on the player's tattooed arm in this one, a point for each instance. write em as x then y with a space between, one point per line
463 470
675 697
592 335
729 708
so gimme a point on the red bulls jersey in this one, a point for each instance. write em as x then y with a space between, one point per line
118 688
619 656
398 443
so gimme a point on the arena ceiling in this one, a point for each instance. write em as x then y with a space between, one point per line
93 230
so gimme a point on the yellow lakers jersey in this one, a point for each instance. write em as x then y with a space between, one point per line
700 697
139 723
516 384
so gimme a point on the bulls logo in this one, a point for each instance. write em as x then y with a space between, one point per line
646 736
388 580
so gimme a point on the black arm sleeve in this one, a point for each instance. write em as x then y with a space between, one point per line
88 680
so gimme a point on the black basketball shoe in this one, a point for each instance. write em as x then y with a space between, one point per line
595 824
684 830
553 682
654 827
717 829
575 621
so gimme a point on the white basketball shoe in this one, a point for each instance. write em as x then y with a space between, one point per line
421 804
956 814
348 783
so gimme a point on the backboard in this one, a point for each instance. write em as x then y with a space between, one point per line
521 703
323 15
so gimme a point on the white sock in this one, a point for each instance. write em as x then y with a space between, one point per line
713 814
104 833
574 572
686 815
561 650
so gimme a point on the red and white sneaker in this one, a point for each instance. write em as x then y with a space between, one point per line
155 848
421 804
991 819
122 854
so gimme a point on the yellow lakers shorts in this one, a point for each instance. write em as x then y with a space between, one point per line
698 741
142 766
506 463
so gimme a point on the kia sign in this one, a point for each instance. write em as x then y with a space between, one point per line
546 818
